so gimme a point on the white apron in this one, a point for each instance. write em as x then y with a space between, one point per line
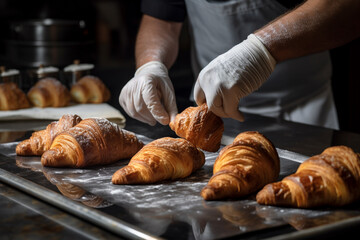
298 90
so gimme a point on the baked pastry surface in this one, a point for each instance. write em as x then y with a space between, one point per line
162 159
40 141
331 178
243 167
200 126
49 92
12 97
93 141
90 89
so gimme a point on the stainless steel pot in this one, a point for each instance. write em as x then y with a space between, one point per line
49 30
49 42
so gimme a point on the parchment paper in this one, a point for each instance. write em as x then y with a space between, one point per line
103 110
157 206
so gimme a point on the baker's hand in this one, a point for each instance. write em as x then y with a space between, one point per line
232 76
149 96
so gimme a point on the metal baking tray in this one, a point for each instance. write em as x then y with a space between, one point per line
170 209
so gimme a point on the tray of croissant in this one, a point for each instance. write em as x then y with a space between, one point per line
49 99
192 182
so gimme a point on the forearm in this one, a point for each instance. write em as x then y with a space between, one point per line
315 26
157 40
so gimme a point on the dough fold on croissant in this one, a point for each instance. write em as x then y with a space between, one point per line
49 92
200 126
90 89
331 178
12 97
162 159
94 141
40 141
243 167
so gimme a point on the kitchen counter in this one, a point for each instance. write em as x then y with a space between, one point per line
35 208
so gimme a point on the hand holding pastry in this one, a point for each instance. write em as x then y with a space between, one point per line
232 76
149 96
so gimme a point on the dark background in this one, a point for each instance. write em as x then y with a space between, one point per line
112 26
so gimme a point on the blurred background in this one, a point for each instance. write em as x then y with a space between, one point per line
102 32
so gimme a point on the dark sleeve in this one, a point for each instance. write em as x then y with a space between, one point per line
290 4
170 10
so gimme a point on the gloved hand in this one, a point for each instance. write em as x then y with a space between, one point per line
149 96
232 76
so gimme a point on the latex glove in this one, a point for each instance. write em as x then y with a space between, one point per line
149 96
232 76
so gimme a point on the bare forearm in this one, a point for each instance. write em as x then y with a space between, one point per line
315 26
157 40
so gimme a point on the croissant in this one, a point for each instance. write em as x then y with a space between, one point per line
12 97
90 89
40 141
200 126
243 167
331 178
162 159
49 92
94 141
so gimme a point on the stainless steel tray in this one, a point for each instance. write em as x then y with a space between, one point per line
170 209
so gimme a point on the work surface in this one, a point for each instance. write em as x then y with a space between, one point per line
62 203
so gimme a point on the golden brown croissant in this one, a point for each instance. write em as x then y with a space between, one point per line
94 141
243 167
90 89
200 126
49 92
162 159
331 178
12 97
40 141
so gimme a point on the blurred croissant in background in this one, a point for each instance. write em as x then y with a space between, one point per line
12 97
90 89
49 92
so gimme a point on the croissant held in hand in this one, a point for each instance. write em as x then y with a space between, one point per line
329 179
243 167
49 92
90 89
164 158
94 141
200 126
40 141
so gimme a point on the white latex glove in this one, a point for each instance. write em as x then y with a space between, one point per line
232 76
149 96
